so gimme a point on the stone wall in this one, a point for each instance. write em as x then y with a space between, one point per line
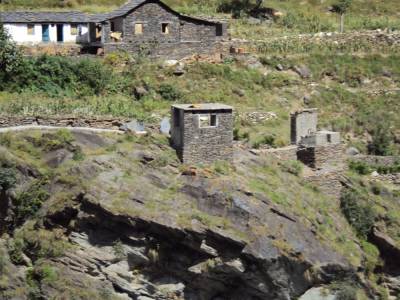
105 123
376 160
177 50
206 145
328 183
331 156
286 153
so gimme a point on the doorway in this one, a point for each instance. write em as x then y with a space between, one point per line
60 33
45 33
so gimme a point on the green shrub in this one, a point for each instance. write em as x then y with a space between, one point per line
360 216
292 166
372 256
381 140
360 167
10 56
266 140
347 292
28 202
42 273
59 76
7 178
169 92
15 250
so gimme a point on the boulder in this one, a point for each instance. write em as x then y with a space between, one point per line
352 151
319 293
134 126
180 69
303 71
170 63
140 91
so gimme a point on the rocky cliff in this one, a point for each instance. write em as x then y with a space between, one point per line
89 216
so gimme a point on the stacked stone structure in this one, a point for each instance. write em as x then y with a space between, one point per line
202 133
316 149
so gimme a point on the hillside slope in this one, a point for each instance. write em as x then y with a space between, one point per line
80 214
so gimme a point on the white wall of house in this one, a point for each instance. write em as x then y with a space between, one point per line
19 33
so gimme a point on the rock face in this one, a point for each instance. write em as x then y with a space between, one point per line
143 234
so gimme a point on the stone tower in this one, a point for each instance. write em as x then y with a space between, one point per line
316 149
202 133
303 123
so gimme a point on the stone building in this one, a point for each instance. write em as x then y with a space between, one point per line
316 149
147 27
202 133
28 27
152 27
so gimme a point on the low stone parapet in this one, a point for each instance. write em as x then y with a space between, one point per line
103 123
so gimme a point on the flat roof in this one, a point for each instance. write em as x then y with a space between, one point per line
202 106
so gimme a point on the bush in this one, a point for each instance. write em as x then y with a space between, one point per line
266 140
169 92
28 203
360 217
10 56
292 166
381 140
347 292
57 76
360 167
7 178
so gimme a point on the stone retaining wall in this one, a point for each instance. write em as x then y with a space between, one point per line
286 153
376 160
328 183
331 156
103 123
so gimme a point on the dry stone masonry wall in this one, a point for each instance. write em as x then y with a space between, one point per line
105 123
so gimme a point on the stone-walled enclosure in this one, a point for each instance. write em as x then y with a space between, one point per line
202 133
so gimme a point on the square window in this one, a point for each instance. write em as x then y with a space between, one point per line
165 28
138 28
207 121
31 29
74 29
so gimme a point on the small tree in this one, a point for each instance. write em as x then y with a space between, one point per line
239 7
341 8
381 140
10 56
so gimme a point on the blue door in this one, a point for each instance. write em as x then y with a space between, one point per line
45 33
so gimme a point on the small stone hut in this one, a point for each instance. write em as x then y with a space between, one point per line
316 149
202 133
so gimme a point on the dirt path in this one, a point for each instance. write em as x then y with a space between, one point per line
42 127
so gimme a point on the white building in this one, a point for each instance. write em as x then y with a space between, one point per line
46 27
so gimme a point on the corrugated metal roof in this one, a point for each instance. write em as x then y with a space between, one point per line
43 17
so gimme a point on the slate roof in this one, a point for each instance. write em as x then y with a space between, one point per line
43 17
202 107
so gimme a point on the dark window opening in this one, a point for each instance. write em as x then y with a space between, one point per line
112 26
165 28
329 138
213 121
60 33
219 30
